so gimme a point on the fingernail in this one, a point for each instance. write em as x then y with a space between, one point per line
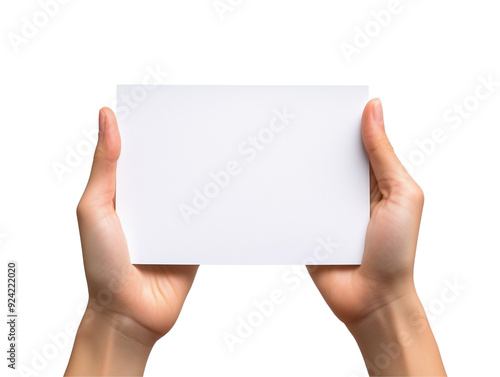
378 113
102 121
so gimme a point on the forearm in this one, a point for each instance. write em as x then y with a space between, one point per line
103 348
398 341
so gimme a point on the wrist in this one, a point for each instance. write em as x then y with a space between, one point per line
400 314
396 339
120 323
109 344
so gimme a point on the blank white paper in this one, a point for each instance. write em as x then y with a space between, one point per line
242 174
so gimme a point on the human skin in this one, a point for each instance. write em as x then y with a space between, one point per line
130 306
377 300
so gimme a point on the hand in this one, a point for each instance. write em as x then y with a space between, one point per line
377 300
130 306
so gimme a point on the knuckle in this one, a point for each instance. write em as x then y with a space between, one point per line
82 209
418 194
415 193
409 190
379 145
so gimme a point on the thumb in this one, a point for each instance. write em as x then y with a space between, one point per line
388 170
100 190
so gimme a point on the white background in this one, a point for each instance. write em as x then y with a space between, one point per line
427 58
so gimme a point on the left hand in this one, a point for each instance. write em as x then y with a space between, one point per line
139 302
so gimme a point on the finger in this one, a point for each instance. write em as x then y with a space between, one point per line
387 169
101 187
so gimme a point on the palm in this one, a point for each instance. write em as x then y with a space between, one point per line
158 293
151 296
395 209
